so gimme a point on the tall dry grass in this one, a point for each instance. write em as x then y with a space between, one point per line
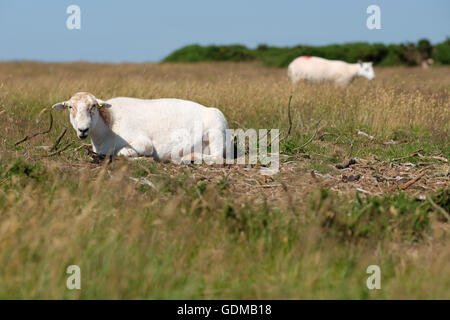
214 232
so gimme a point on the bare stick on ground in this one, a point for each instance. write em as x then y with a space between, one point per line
411 182
59 151
414 154
55 145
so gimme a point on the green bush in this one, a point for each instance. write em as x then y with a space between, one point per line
196 53
442 52
384 55
378 217
393 57
425 48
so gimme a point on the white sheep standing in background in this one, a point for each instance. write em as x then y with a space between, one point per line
160 128
426 63
320 69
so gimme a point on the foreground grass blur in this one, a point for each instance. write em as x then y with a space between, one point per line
213 232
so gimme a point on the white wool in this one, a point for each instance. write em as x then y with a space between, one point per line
158 128
320 69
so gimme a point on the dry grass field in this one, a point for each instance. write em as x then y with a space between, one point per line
225 232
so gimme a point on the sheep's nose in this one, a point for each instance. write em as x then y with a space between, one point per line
83 131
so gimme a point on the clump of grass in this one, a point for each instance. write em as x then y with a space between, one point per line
377 218
22 168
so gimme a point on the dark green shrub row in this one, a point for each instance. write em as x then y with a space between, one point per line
384 55
196 53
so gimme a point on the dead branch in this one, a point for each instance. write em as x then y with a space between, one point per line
289 116
363 191
368 136
411 182
50 126
59 151
413 154
270 185
84 146
440 158
324 134
290 123
55 145
393 143
307 142
144 181
312 137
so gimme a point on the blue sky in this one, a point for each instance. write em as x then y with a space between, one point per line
135 31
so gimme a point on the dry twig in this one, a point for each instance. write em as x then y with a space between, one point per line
440 158
368 136
311 138
413 154
59 151
289 116
290 123
411 182
55 145
144 181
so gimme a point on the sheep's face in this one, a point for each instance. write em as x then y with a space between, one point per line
366 70
83 110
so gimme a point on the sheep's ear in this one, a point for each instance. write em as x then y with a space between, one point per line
103 104
60 106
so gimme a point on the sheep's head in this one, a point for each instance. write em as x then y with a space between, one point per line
366 70
84 112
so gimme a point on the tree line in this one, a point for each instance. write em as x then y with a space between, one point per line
409 54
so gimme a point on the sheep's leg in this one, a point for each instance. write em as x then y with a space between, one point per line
212 150
216 142
128 152
137 149
198 158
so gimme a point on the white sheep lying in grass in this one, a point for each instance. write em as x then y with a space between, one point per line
165 129
319 69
